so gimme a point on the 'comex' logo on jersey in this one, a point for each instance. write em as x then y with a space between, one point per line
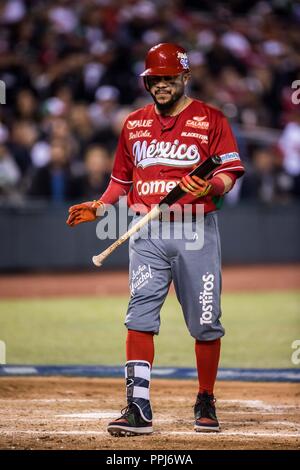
155 187
164 153
139 123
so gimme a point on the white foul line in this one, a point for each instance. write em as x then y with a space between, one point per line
235 433
258 404
199 435
47 400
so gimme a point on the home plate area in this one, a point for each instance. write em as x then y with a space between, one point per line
73 413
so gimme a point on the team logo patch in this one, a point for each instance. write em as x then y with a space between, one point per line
229 157
183 59
196 124
164 153
140 277
139 134
139 123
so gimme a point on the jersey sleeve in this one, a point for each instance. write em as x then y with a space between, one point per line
123 165
114 191
223 144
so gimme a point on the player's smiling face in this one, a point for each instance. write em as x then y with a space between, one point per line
166 90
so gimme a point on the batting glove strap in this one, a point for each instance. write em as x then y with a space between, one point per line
195 186
99 206
201 188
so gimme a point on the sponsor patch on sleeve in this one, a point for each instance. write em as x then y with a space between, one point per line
229 157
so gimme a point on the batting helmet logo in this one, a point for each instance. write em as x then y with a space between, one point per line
166 59
183 58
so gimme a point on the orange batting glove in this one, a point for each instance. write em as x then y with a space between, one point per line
84 212
195 186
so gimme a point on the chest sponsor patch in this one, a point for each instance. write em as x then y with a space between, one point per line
195 135
229 157
139 123
196 124
145 188
164 153
139 134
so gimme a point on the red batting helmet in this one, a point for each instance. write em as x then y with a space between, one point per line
166 59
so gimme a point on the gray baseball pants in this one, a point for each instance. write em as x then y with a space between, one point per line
156 260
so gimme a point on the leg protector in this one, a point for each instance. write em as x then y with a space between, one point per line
137 374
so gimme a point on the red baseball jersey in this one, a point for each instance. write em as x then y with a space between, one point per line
154 153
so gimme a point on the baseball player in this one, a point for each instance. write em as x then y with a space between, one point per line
159 145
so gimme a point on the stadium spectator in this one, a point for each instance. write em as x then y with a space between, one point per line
96 173
289 144
267 181
9 176
55 182
23 136
105 106
26 106
81 127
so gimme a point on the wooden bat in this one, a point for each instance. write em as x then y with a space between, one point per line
203 170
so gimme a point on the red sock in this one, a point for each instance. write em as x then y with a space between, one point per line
207 357
140 346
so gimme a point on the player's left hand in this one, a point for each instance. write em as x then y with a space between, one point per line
84 212
195 186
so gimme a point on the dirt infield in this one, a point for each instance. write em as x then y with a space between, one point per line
239 278
72 413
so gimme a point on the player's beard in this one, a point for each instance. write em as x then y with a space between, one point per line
168 105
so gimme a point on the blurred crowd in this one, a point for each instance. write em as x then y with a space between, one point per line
71 70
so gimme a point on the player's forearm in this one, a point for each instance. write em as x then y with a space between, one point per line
113 192
222 183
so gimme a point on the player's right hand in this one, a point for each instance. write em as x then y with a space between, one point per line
84 212
196 186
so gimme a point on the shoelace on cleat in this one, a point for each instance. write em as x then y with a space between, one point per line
127 410
206 404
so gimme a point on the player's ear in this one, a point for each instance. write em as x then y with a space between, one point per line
186 77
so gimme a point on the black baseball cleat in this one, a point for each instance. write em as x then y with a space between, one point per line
130 423
205 414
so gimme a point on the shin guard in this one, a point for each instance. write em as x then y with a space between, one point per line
137 374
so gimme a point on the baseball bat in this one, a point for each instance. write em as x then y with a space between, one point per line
202 171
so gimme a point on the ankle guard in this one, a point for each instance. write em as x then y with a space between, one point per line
137 374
